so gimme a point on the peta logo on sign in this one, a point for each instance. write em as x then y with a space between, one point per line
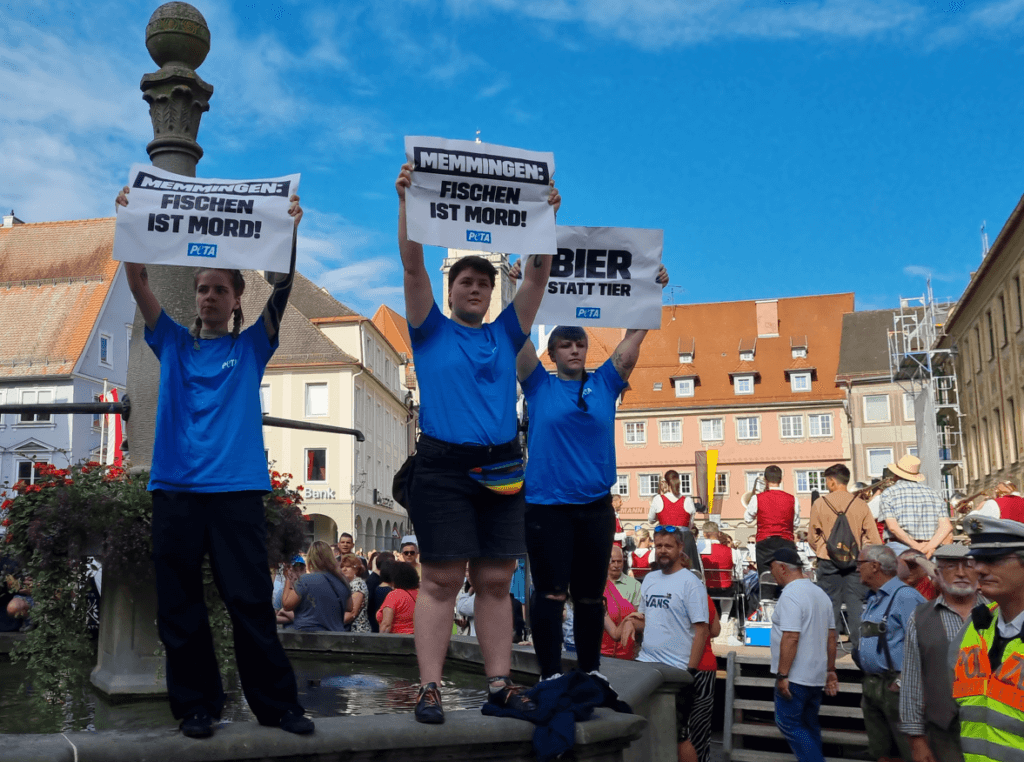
478 236
588 313
202 250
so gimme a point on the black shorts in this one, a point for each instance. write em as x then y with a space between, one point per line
456 517
684 708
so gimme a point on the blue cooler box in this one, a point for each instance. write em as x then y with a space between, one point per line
758 634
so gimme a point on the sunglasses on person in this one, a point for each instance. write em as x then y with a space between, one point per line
669 530
408 552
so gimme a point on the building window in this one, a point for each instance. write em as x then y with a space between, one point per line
105 347
649 484
908 406
316 465
265 398
792 426
316 400
820 424
991 335
636 432
986 445
912 451
800 382
1011 421
36 397
621 486
711 430
685 358
743 385
657 386
1002 317
26 472
799 352
876 408
997 440
747 355
748 428
722 483
878 459
96 416
810 480
750 478
685 484
977 346
671 431
684 387
1019 322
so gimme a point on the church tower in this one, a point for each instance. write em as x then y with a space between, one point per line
504 287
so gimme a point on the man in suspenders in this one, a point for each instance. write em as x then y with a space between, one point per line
1007 504
777 513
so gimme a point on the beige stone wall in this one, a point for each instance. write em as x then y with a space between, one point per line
897 433
988 332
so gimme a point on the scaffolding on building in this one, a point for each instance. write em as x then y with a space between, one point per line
928 374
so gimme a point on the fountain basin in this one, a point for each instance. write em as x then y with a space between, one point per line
466 735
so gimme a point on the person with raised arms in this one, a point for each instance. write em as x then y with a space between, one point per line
570 522
465 490
208 478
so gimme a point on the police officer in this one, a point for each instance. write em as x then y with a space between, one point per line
988 680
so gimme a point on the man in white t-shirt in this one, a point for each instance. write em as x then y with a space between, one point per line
673 615
803 645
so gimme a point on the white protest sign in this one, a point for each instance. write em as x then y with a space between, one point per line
176 220
468 195
604 277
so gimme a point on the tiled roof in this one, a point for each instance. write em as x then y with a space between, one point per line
865 344
718 329
54 277
686 370
745 368
394 328
314 302
798 364
302 343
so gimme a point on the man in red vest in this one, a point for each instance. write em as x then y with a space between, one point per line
1007 504
672 509
777 514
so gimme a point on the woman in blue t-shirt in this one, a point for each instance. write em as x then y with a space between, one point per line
570 523
462 508
208 477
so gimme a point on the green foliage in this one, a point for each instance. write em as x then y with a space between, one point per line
105 512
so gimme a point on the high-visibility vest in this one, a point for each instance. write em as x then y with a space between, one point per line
991 705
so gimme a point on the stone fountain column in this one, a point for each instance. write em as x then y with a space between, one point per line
178 40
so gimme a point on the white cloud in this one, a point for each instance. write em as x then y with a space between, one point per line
920 271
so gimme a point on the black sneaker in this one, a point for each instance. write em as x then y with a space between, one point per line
428 706
293 722
199 724
511 697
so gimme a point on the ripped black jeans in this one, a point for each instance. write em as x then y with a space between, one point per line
569 547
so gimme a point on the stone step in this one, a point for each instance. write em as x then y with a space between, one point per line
827 710
763 730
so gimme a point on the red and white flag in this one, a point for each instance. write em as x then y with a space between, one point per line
114 435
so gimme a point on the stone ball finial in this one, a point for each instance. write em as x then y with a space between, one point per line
177 34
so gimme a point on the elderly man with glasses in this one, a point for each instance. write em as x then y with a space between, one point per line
889 607
928 713
988 679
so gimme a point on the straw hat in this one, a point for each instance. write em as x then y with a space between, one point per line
909 467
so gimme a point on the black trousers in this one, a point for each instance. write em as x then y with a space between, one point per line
231 527
765 549
569 547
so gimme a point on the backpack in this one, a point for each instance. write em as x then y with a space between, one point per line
842 544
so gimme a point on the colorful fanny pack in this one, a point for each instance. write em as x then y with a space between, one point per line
505 478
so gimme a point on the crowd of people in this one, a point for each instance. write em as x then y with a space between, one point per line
885 568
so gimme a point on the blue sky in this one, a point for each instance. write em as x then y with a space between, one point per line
786 147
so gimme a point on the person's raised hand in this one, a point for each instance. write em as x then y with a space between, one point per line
122 198
295 210
662 276
516 271
404 180
554 197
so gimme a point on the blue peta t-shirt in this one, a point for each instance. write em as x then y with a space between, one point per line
572 452
467 377
209 428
